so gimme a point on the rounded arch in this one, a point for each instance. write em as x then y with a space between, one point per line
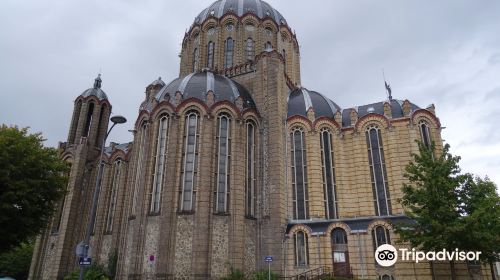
300 227
163 107
335 225
364 121
324 122
299 121
419 114
192 103
386 224
144 116
225 106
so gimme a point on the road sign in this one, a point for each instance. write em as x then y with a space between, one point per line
82 250
269 259
85 261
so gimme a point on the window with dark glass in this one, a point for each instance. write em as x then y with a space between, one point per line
301 248
378 172
339 247
190 162
196 59
328 166
250 171
283 53
114 195
268 46
380 236
228 53
223 164
424 134
88 121
249 50
159 171
210 55
300 196
139 167
100 176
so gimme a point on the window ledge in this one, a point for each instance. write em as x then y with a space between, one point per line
185 212
153 214
222 214
250 218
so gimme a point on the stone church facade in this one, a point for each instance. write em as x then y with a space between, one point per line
235 160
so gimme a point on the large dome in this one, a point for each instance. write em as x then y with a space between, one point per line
197 85
240 7
301 99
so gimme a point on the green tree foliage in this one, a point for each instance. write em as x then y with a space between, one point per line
16 262
94 272
32 181
450 210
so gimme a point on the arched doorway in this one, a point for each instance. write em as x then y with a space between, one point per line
340 253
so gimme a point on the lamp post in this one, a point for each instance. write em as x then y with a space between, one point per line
86 242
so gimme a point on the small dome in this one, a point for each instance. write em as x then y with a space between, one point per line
96 90
377 108
301 99
240 7
158 82
197 85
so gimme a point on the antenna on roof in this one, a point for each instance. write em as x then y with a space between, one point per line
387 86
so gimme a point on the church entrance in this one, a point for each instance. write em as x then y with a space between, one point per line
340 253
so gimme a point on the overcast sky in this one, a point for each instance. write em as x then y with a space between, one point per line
441 52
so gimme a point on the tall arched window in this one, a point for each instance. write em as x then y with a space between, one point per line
114 195
210 54
141 154
228 53
88 120
196 59
424 133
223 163
301 249
190 160
100 176
283 53
299 176
250 171
380 236
328 166
159 171
376 159
249 50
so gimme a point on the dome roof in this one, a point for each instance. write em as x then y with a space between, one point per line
301 99
240 7
96 90
196 85
377 108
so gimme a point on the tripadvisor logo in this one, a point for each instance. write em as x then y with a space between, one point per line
387 255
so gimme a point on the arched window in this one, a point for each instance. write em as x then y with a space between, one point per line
268 46
386 277
190 160
114 195
299 176
159 171
74 123
228 53
380 236
283 53
88 120
250 171
376 159
301 249
141 154
196 59
424 133
249 50
328 166
223 163
210 55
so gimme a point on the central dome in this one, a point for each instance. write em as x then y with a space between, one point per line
240 7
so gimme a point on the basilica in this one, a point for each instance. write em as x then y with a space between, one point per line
234 161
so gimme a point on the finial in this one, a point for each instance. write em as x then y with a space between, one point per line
387 86
98 81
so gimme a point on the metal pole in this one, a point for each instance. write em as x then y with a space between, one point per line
269 270
94 203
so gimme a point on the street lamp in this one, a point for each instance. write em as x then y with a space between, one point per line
85 245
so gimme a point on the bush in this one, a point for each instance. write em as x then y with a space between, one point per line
93 272
16 262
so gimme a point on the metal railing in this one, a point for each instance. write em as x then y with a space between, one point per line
313 274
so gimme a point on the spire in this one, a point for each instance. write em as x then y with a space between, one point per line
98 81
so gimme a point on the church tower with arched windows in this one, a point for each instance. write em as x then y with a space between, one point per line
234 160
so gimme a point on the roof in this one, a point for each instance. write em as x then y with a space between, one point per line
96 90
376 108
240 7
115 146
197 85
301 99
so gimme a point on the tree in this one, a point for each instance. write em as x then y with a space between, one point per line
32 181
448 209
16 262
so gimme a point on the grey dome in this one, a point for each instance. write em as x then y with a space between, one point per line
96 90
377 108
301 99
196 85
240 7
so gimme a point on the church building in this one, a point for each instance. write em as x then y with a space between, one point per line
235 160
